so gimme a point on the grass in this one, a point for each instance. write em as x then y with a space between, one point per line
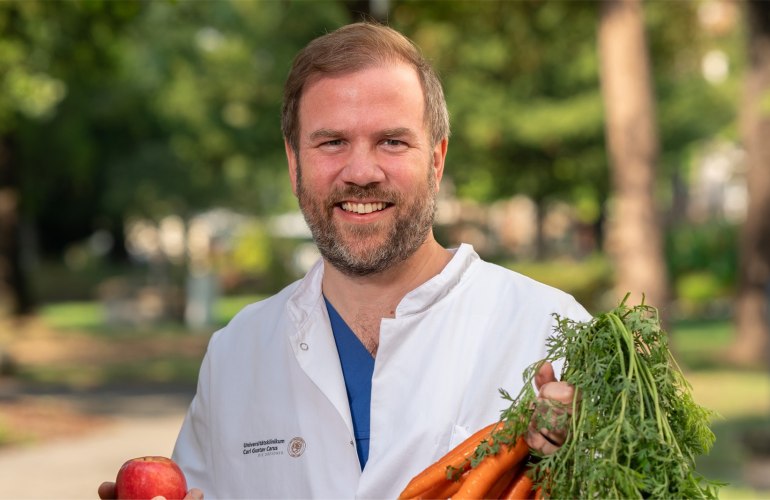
73 315
699 335
732 394
697 344
89 315
177 370
226 307
741 398
587 280
143 362
731 457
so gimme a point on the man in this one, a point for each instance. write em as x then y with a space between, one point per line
391 350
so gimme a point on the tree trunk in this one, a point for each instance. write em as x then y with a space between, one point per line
15 299
751 309
635 240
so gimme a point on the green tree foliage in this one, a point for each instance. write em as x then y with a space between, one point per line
43 69
213 85
523 94
691 110
522 82
141 108
114 109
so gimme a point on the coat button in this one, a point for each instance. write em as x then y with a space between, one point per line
303 346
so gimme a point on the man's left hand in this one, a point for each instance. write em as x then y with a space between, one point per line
554 397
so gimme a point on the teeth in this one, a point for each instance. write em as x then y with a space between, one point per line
362 208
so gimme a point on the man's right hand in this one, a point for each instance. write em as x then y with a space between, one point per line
107 492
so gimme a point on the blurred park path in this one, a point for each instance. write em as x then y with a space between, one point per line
73 467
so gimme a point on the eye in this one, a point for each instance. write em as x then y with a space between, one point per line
394 144
331 145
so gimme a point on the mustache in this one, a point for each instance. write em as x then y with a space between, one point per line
353 192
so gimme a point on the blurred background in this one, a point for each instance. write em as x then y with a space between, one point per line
603 147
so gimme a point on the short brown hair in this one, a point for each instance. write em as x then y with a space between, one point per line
352 48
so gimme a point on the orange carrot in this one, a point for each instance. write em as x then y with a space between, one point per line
539 493
504 482
443 490
520 488
483 476
435 474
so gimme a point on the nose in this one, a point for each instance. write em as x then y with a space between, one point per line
362 166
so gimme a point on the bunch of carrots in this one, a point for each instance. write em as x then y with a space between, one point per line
633 432
500 472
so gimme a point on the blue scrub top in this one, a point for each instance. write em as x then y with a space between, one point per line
357 369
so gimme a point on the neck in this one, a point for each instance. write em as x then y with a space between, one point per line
363 301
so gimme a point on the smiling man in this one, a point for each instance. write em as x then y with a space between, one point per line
391 350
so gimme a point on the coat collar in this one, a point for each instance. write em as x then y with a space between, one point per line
307 297
439 286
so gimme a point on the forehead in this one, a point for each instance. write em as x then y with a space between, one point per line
390 91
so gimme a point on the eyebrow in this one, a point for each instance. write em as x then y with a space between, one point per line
399 131
325 133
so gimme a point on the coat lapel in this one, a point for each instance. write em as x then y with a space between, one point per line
313 344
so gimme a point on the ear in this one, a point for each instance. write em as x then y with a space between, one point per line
439 157
292 161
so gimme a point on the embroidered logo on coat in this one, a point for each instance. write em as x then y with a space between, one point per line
296 447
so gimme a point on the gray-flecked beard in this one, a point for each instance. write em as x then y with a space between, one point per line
412 224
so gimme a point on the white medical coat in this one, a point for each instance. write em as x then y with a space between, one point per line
271 418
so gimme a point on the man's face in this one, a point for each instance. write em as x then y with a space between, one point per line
367 174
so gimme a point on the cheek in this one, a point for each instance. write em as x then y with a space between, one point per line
416 178
320 169
316 183
313 177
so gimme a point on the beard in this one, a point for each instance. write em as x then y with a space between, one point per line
366 249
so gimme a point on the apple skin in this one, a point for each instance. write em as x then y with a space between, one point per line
144 478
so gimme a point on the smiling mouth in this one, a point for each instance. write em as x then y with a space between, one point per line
363 208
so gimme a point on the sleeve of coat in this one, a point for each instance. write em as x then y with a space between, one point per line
192 451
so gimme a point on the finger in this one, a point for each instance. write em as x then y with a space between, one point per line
107 490
552 409
544 374
548 420
194 494
538 442
560 392
553 435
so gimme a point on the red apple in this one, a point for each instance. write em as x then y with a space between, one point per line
148 477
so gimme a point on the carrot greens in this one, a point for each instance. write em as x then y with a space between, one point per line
634 428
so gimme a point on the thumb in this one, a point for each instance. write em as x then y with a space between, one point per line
544 374
107 490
